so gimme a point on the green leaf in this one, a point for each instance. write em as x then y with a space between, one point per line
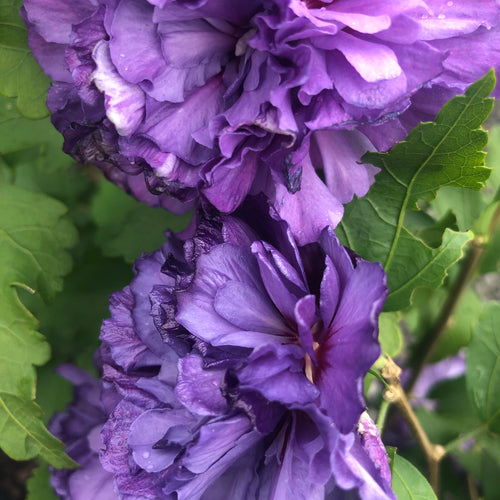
447 152
126 228
18 134
24 436
430 231
72 321
467 205
483 363
22 77
408 483
33 238
38 485
391 456
490 472
390 336
417 265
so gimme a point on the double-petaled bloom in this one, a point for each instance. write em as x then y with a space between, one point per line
228 98
233 366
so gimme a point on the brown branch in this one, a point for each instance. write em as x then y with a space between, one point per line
471 484
396 394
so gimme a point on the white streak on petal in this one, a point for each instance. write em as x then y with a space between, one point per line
124 101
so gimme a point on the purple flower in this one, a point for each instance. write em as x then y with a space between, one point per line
233 365
230 98
79 428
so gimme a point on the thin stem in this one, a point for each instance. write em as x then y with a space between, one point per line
471 484
382 415
396 394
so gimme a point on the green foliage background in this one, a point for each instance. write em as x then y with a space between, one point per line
64 228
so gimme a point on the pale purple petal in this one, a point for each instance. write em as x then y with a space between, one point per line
199 390
310 209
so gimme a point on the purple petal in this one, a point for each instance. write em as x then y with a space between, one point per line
306 317
196 308
309 210
373 62
92 481
283 283
150 428
198 389
330 291
215 440
355 324
53 19
247 308
277 372
338 153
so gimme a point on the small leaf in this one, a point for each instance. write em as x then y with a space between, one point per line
390 336
22 77
408 483
24 436
483 363
34 236
447 152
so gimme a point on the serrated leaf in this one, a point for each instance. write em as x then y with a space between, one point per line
24 436
483 363
447 152
126 228
22 77
408 483
430 231
33 239
418 265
